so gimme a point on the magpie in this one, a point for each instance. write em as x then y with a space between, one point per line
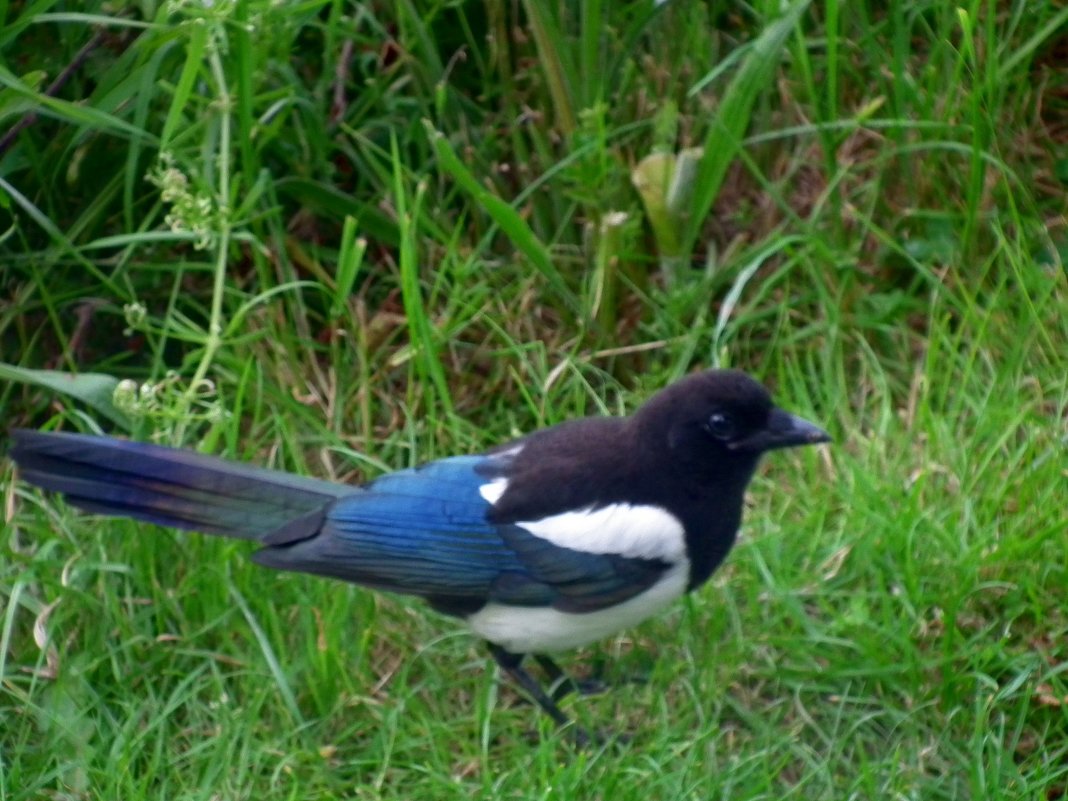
546 543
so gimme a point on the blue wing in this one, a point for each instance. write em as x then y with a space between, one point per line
425 532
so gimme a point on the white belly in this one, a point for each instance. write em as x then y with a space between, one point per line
525 630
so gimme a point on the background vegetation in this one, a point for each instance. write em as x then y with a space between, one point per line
342 238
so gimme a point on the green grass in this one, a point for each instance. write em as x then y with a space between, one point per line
445 250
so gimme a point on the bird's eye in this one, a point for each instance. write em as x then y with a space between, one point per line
720 425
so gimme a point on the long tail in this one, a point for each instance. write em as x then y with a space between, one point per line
174 487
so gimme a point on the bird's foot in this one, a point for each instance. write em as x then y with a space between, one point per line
583 738
585 687
562 685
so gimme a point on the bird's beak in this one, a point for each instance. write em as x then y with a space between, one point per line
784 430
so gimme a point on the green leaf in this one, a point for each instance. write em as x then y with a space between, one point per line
665 182
95 390
506 217
64 110
321 197
733 115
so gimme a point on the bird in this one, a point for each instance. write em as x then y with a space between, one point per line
546 543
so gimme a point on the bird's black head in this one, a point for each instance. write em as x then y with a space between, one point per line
718 423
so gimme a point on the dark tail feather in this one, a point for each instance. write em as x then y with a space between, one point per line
174 487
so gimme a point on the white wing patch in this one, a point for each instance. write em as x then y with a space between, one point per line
638 532
526 630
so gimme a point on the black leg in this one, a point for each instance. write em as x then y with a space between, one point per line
511 664
560 684
563 685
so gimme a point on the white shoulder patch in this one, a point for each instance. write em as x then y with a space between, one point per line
639 532
493 490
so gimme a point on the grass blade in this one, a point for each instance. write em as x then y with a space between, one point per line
95 390
732 118
506 217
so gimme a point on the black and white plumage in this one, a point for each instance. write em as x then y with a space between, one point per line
550 542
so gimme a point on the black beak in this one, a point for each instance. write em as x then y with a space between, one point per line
784 430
